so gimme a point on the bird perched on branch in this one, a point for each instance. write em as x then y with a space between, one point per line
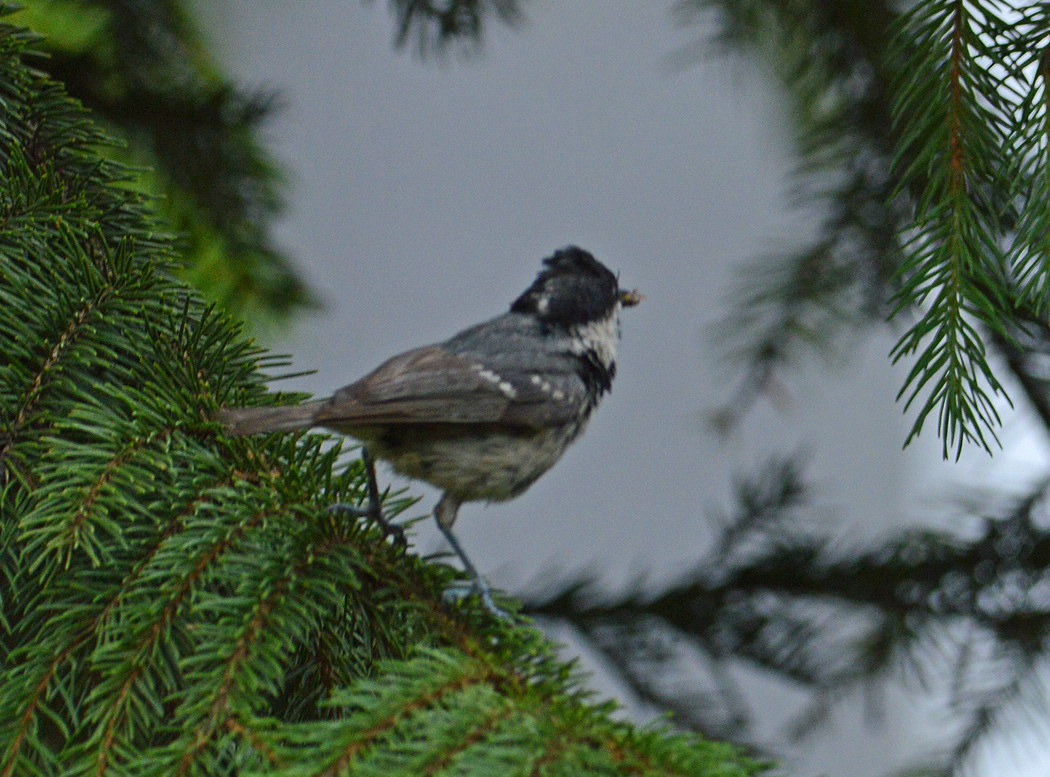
482 415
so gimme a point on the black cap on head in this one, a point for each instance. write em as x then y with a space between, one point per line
572 288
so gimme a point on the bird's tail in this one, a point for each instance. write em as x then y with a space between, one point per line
242 421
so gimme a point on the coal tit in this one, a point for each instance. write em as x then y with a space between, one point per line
480 416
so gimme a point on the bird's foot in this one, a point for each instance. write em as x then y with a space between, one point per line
461 589
374 511
374 514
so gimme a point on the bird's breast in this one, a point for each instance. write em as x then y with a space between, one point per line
474 463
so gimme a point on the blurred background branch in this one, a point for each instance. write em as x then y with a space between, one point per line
145 70
967 613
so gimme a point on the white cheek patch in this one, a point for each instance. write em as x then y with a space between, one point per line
599 338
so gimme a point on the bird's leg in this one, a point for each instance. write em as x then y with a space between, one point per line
374 511
445 515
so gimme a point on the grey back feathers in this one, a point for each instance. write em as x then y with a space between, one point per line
499 372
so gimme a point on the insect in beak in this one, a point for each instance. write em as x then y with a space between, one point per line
631 298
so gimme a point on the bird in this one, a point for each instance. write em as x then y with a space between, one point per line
482 415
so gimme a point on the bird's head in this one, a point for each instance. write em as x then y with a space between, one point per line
574 289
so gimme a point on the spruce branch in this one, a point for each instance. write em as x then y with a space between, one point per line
950 116
192 135
1024 45
923 139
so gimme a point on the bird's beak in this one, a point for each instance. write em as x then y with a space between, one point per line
631 298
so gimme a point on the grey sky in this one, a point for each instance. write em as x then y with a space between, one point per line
423 198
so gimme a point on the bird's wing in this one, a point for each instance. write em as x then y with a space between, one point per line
434 385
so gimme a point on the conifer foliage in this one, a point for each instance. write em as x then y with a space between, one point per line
144 69
954 117
176 602
921 130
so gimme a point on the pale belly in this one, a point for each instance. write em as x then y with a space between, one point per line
473 464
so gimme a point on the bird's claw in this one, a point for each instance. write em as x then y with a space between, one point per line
376 516
374 511
461 589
